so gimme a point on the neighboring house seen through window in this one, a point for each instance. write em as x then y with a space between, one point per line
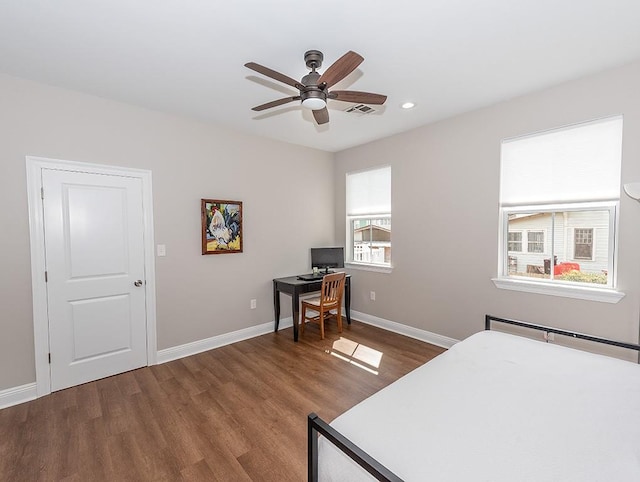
369 217
559 192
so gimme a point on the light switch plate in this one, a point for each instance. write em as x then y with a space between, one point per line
161 250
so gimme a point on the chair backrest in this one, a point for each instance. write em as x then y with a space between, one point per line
332 288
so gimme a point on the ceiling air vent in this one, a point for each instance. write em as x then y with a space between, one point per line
360 109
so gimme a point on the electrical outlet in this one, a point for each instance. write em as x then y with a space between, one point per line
253 304
372 295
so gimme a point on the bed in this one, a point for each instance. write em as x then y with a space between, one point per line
495 407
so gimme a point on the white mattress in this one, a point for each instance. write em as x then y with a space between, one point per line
499 407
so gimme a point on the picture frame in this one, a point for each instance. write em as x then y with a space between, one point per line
221 226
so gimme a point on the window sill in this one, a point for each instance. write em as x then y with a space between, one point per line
369 267
604 295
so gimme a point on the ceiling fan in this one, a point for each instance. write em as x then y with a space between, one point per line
314 87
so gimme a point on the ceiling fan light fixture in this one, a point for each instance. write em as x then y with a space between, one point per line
314 103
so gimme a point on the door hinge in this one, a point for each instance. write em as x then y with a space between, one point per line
46 277
42 192
49 358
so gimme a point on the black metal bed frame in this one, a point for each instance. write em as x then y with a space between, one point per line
548 329
316 426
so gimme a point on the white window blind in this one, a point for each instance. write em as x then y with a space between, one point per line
577 163
369 192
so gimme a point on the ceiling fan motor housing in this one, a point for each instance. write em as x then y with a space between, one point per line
311 90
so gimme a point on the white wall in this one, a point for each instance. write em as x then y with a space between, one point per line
287 194
445 176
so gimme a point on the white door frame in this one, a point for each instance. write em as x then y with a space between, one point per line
38 266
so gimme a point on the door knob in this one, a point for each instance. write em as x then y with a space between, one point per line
138 283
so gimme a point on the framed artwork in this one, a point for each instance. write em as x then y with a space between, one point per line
221 226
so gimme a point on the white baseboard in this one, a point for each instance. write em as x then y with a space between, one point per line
188 349
422 335
25 393
16 395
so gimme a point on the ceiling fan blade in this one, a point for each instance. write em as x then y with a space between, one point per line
275 103
341 68
261 69
358 97
321 116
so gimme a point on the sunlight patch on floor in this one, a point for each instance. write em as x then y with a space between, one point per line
357 354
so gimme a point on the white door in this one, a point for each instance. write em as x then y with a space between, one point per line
94 249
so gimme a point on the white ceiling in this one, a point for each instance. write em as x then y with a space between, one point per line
187 56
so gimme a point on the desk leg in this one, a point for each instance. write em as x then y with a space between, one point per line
347 301
295 313
276 306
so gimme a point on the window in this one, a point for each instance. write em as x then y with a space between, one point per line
515 241
583 244
535 240
559 194
369 217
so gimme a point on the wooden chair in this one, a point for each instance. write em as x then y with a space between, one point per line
330 299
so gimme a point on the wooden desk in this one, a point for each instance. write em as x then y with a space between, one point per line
295 287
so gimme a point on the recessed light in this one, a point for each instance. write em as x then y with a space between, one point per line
408 105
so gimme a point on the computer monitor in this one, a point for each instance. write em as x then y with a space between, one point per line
325 258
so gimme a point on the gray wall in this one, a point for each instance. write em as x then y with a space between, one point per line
287 193
445 175
445 190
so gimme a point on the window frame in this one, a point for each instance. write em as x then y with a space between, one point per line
351 242
370 212
533 188
552 286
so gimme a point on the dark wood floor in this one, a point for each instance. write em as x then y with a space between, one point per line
230 414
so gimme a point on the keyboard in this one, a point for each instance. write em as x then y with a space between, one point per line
311 277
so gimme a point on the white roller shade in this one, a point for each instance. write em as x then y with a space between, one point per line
577 163
369 192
